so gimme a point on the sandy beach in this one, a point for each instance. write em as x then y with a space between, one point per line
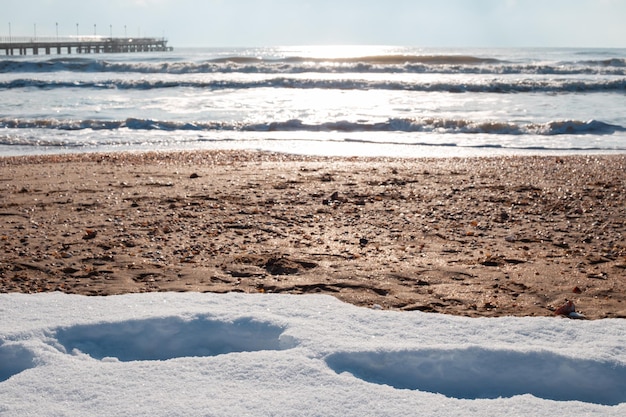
476 237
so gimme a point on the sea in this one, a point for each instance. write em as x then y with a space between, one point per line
318 100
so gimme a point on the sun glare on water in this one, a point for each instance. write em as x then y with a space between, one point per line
339 51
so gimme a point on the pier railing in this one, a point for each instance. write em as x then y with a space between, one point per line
22 45
49 39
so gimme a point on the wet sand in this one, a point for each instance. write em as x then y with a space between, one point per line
476 237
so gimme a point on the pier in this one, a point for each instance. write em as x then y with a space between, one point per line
81 45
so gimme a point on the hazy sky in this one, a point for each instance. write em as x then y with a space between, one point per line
575 23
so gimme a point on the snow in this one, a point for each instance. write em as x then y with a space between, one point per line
191 354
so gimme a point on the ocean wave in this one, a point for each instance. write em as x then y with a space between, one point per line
610 62
418 64
427 125
65 142
465 86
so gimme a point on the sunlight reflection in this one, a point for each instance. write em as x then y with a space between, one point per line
340 51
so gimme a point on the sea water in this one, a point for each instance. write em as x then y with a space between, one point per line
340 100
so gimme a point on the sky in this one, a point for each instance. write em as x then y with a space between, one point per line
428 23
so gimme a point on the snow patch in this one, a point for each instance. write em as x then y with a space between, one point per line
13 360
170 337
100 356
473 373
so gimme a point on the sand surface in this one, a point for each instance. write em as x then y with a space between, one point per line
477 237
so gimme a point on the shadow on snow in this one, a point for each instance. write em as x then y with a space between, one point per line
473 373
171 337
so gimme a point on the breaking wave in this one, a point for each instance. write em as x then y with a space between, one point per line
491 86
428 125
439 64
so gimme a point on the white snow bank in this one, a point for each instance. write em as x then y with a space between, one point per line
236 354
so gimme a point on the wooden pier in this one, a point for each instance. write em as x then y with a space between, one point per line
81 45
